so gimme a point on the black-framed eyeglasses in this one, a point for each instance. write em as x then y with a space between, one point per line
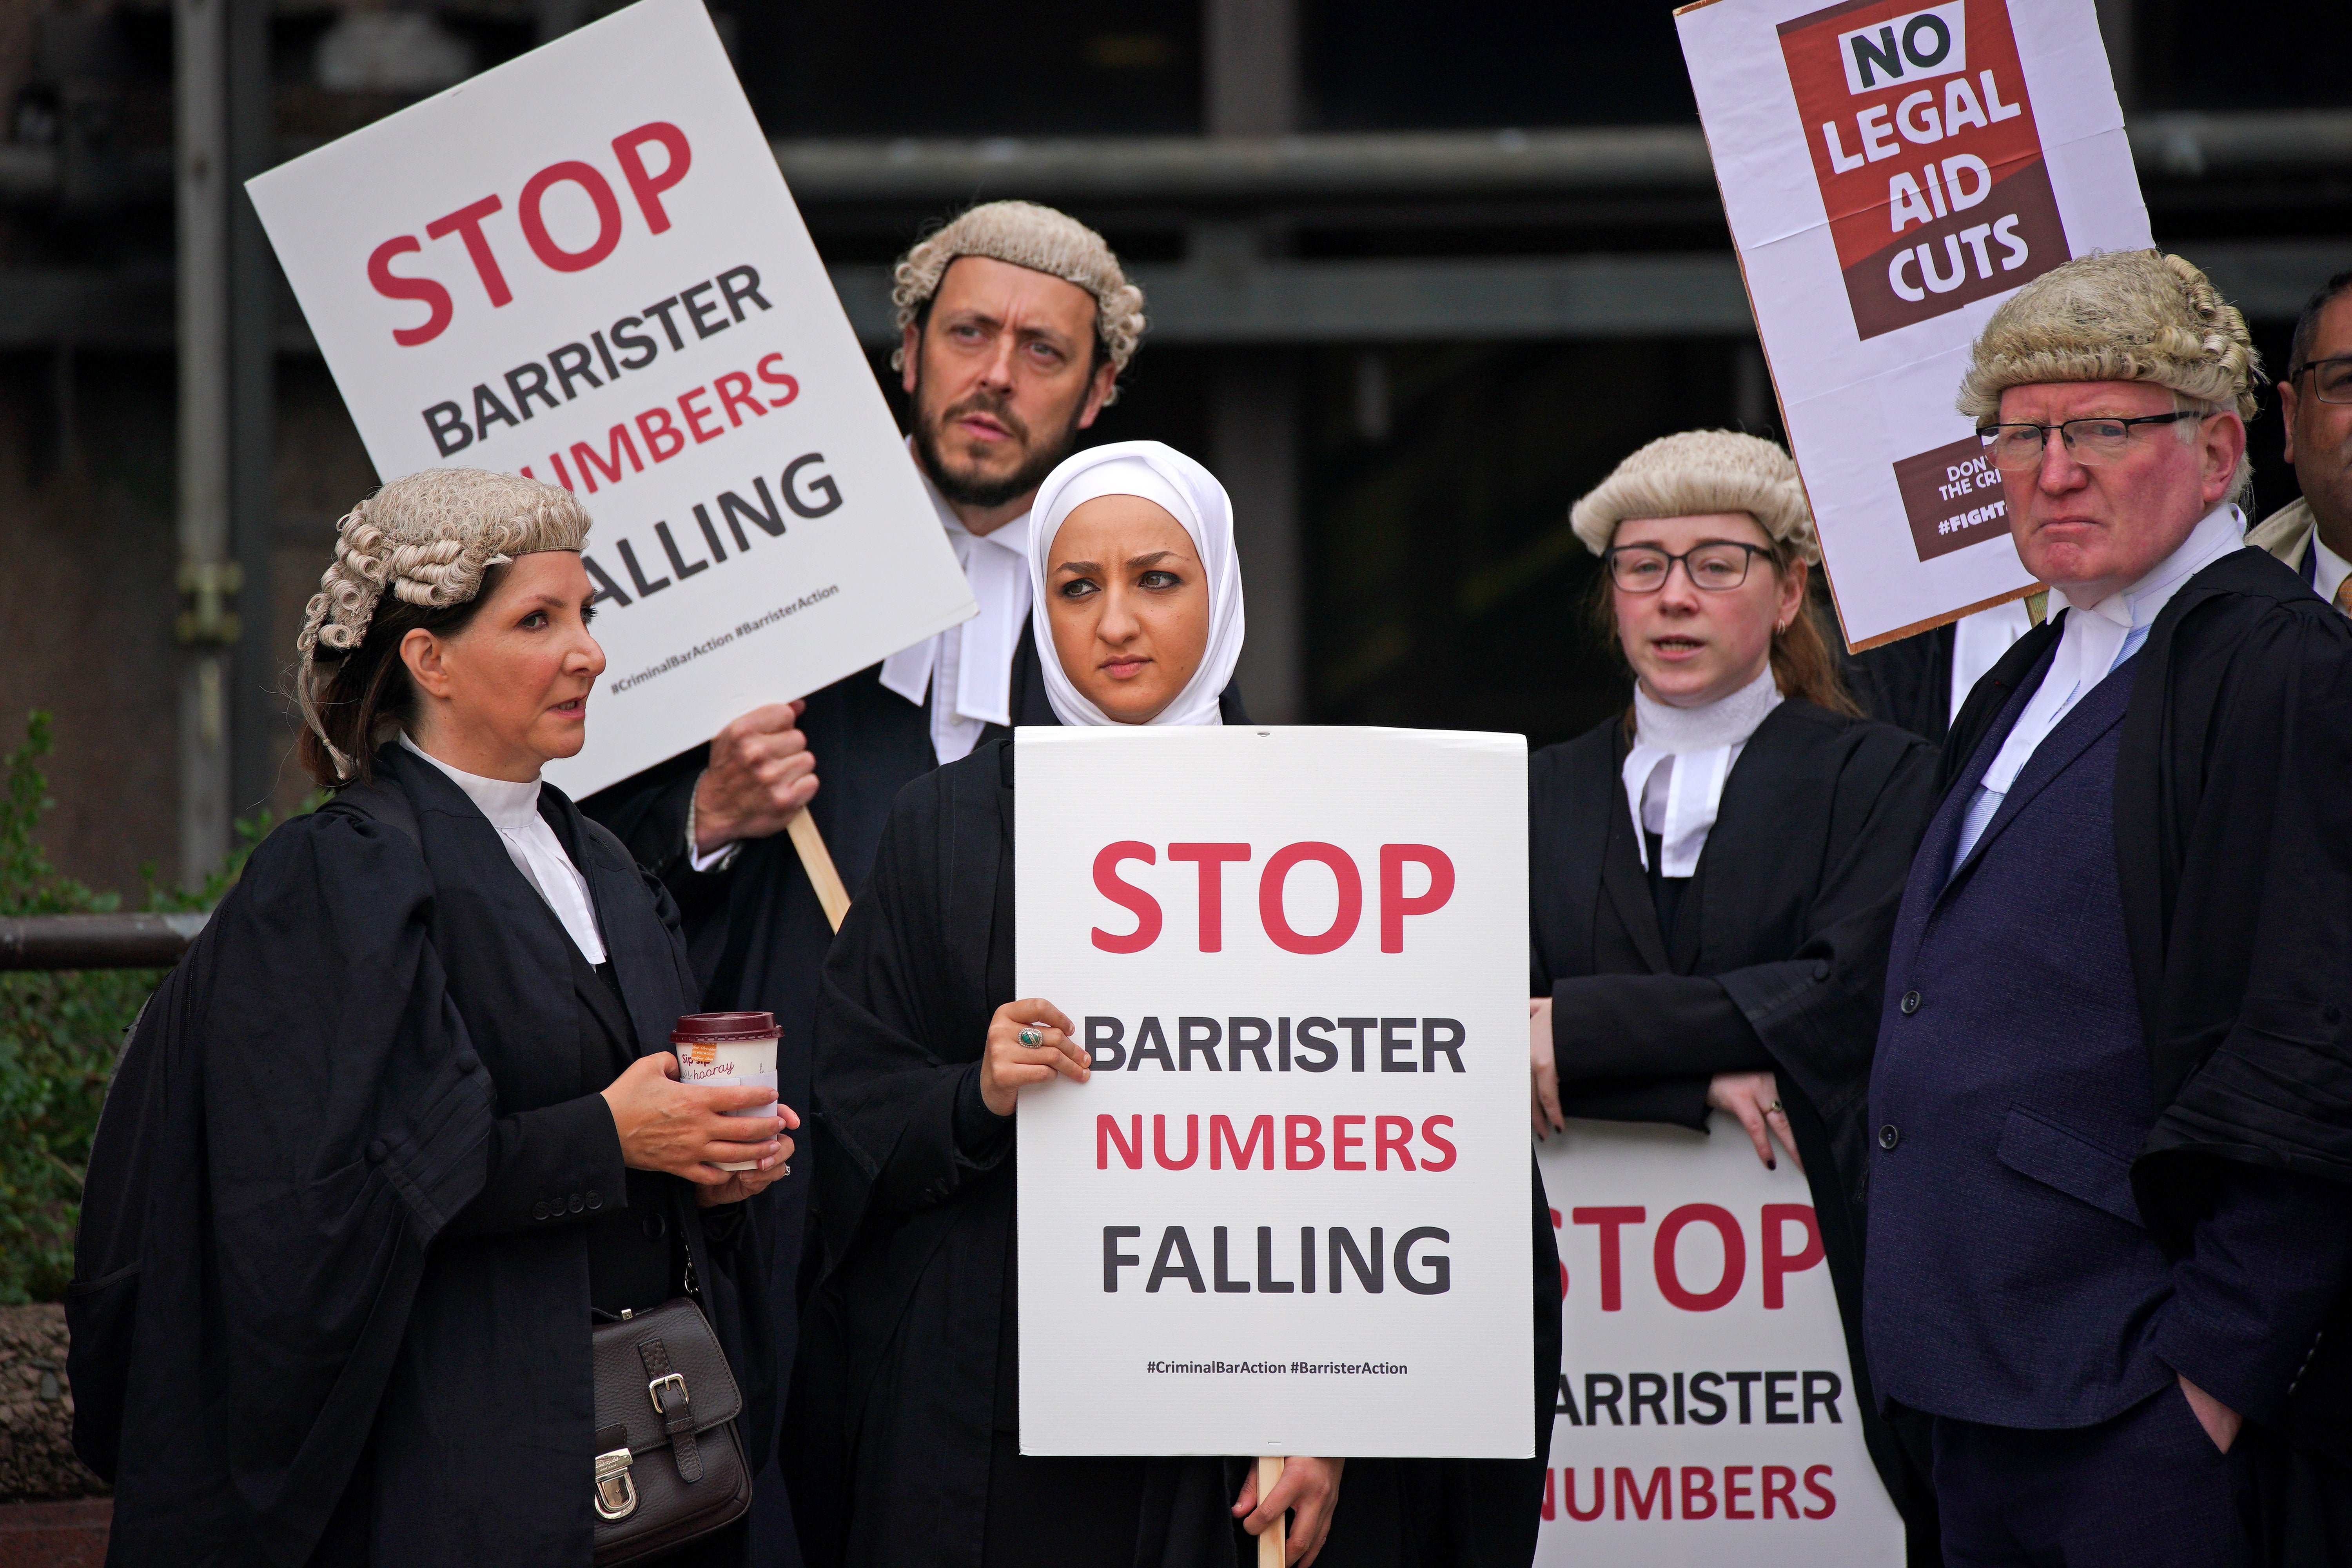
2019 447
1718 565
2331 379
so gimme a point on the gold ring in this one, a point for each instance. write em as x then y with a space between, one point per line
1775 1107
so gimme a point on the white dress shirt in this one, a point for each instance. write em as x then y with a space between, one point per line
1675 770
2328 570
967 669
531 845
2094 641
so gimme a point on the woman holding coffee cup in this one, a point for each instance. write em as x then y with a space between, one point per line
434 1128
906 1392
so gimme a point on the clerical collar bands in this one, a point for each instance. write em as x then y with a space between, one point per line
1679 762
513 810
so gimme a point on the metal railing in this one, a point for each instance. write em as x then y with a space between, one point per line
96 942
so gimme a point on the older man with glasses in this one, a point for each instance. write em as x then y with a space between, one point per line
2110 1234
2314 534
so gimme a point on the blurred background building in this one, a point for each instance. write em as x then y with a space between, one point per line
1419 274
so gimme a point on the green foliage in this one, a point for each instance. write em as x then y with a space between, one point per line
60 1032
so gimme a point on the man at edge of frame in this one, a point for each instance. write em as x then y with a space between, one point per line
2110 1221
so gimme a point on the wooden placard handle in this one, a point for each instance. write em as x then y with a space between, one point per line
817 861
1274 1546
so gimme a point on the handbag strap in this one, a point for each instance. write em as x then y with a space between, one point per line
673 1404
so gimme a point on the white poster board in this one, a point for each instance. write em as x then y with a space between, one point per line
1892 171
583 265
1289 1212
1707 1408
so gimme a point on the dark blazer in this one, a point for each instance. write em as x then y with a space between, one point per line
1907 684
2010 1279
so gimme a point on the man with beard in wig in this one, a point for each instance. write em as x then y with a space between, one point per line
1016 321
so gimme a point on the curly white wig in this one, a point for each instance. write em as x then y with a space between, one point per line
1041 240
428 537
2118 315
1696 472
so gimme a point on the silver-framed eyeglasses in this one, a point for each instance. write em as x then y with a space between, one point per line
2331 379
2016 447
1718 566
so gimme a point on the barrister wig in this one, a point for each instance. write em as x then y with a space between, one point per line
1041 240
433 540
1697 472
2119 315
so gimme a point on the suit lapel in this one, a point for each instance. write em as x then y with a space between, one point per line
635 945
2099 711
508 959
1925 886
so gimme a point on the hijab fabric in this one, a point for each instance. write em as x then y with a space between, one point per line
1192 495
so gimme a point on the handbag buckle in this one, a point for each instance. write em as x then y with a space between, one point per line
616 1494
657 1386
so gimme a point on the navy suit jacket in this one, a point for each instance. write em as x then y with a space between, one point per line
2010 1277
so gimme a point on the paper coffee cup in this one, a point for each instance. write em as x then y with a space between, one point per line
729 1049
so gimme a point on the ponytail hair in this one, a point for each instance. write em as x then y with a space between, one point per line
1805 665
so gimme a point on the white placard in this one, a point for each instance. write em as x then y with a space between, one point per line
1892 171
1707 1402
1288 1212
583 265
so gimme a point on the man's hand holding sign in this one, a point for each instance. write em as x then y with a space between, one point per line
611 291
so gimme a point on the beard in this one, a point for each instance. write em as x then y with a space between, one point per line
968 486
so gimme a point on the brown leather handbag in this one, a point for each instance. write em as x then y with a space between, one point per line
669 1466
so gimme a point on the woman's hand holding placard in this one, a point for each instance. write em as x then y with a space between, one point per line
1028 1042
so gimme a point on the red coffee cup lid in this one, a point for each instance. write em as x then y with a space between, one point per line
695 1026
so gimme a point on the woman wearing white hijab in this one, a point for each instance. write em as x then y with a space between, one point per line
905 1409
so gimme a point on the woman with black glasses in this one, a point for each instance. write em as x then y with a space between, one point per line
1715 875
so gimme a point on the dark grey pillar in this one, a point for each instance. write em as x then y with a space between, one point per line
259 736
1254 443
1252 89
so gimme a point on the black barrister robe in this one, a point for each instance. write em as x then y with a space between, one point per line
756 933
1776 961
2233 845
903 1390
1908 683
340 1203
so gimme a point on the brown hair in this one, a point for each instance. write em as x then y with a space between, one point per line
1802 665
361 695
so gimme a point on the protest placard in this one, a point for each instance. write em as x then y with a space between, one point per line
1707 1408
1891 171
1288 1212
583 265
